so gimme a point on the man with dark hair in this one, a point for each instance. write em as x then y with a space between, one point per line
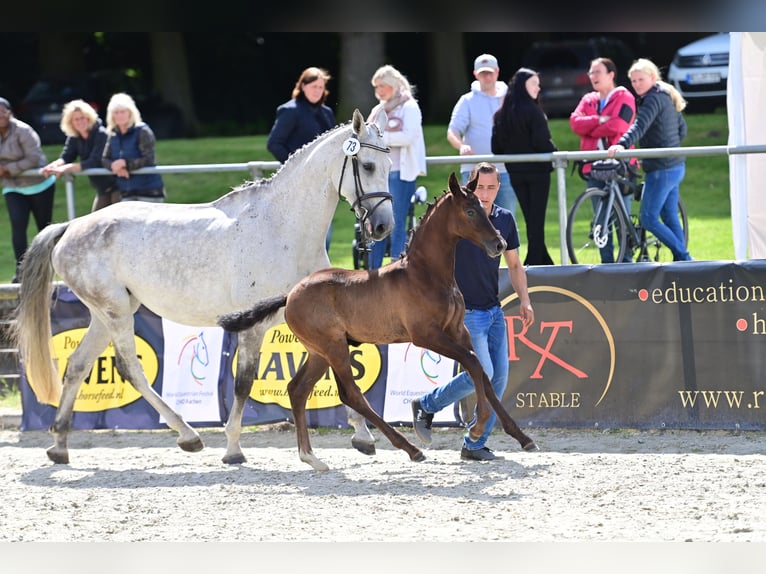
477 276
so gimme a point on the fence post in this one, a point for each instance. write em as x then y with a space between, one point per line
560 164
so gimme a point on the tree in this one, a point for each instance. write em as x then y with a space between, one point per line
171 75
361 54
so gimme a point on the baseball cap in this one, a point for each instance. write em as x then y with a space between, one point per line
4 102
485 62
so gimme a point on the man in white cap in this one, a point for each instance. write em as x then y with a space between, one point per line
470 126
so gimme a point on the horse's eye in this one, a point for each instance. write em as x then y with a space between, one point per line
471 212
368 167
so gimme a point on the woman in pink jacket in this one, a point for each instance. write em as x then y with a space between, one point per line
600 119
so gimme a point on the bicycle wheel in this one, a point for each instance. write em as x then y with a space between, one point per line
589 241
656 250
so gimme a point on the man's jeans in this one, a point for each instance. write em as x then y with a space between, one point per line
402 192
489 336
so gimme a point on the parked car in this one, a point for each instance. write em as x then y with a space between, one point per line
700 71
42 105
564 65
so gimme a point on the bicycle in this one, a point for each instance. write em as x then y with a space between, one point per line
361 249
599 216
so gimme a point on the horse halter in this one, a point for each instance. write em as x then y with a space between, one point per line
361 212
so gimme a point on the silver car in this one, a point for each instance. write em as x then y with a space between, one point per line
700 71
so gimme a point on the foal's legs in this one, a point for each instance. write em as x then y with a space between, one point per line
462 352
93 343
351 396
298 390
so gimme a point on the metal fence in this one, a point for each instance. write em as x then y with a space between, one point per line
560 161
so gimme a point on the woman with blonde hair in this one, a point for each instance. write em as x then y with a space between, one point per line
404 135
659 123
86 137
129 147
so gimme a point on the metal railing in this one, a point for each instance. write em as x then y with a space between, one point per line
560 161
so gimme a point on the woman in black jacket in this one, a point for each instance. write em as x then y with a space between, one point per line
521 127
86 137
659 123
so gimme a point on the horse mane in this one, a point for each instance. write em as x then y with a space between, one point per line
429 209
266 181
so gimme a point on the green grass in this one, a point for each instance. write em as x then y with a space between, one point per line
705 189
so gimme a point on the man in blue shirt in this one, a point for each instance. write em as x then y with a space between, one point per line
477 276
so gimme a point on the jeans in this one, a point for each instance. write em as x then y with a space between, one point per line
20 207
402 192
506 197
489 337
607 251
659 209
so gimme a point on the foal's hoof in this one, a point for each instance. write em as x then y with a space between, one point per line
530 447
363 447
58 456
419 457
194 445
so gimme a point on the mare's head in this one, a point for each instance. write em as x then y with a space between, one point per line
470 220
364 176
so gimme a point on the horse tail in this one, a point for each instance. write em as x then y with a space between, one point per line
31 330
262 310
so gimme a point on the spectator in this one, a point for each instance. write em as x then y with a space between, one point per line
470 126
659 123
302 118
130 146
520 126
477 276
86 137
600 119
404 135
24 195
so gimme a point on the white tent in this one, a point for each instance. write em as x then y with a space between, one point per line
746 103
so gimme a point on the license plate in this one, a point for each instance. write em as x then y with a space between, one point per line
707 78
52 118
558 92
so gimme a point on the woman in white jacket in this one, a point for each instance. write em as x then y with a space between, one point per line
404 135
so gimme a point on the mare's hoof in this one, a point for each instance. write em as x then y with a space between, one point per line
530 447
194 445
58 456
363 447
238 458
419 457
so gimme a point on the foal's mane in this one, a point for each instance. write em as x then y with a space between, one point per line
429 209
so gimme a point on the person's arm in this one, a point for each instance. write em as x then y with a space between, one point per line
585 118
518 276
33 156
146 145
412 125
541 133
284 124
458 123
617 121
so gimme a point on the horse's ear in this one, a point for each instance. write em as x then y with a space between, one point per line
454 185
357 121
471 186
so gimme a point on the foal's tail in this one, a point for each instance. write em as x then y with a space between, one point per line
262 310
31 330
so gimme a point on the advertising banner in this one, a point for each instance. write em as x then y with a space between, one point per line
635 345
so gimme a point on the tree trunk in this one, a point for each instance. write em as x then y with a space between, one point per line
449 74
170 74
361 54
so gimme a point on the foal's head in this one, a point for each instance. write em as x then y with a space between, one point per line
470 220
